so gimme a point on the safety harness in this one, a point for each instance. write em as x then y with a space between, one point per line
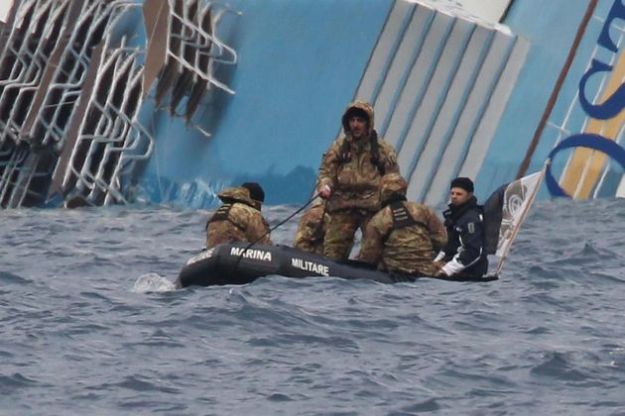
345 154
223 214
220 215
401 216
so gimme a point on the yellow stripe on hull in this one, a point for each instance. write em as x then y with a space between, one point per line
576 182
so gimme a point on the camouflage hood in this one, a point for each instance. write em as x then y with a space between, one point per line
393 187
358 106
240 194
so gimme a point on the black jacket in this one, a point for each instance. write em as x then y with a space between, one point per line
466 238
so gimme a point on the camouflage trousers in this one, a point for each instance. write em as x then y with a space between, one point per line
310 230
342 225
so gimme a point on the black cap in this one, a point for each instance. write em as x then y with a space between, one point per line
464 183
256 191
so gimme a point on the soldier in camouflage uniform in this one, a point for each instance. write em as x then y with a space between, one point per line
239 218
349 178
311 228
403 237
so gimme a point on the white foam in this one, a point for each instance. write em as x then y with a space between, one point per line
152 282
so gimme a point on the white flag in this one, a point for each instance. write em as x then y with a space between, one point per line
504 212
517 200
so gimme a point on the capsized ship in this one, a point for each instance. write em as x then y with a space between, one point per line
168 101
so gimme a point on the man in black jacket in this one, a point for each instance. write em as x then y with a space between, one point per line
465 254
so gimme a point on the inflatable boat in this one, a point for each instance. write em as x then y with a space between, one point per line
236 264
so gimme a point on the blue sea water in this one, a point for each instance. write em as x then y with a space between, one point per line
90 325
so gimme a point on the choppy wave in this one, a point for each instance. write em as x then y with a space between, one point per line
90 324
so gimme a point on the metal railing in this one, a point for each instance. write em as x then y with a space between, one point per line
72 91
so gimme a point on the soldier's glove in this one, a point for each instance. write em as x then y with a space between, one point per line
439 264
325 192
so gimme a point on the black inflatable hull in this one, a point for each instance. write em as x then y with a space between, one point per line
231 264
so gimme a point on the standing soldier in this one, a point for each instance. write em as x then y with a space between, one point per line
403 237
349 178
239 218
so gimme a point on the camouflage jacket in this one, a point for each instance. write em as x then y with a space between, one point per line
404 237
353 168
311 229
237 220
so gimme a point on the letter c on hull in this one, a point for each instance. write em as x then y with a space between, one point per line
591 141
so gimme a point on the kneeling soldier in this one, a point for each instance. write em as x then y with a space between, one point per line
403 237
239 218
